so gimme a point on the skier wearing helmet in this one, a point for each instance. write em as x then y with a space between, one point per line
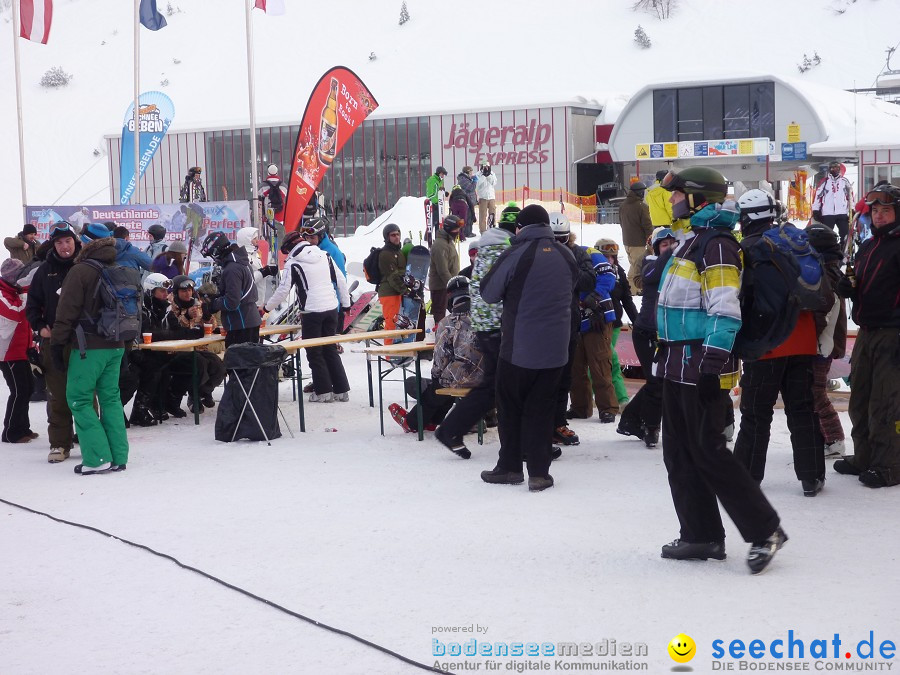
698 318
875 369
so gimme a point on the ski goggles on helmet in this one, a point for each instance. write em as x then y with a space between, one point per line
184 283
308 231
671 182
61 227
884 194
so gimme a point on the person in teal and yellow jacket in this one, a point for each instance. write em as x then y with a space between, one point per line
698 318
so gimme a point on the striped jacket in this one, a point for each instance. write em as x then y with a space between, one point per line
15 333
699 312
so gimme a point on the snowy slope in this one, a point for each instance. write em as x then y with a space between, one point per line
480 56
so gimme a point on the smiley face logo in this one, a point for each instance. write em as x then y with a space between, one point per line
682 648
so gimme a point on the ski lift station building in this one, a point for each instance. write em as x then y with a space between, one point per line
754 128
539 145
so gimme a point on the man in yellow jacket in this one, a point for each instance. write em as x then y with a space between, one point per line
658 200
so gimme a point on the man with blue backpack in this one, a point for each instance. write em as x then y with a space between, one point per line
98 311
786 367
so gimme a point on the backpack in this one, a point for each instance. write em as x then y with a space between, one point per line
119 290
371 268
275 197
783 275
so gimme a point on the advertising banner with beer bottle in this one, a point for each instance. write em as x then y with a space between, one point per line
336 109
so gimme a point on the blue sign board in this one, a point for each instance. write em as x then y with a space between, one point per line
701 149
656 151
793 151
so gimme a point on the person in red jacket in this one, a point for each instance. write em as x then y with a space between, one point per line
788 370
15 340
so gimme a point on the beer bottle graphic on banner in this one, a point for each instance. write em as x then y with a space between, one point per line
328 128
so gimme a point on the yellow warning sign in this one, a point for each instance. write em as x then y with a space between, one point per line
670 149
642 151
745 147
793 135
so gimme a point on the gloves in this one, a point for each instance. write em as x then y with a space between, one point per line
269 271
57 357
592 302
708 388
412 283
845 287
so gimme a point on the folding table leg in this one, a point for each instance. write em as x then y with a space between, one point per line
369 376
419 396
195 378
299 373
380 397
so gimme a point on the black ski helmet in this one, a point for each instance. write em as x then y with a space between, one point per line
386 232
440 170
457 290
885 194
215 246
317 226
157 231
291 239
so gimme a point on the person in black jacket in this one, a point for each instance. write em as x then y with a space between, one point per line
535 279
875 367
40 308
642 416
237 290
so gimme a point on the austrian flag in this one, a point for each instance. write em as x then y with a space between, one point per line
273 7
35 16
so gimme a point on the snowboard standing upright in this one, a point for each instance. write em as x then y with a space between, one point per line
428 217
417 263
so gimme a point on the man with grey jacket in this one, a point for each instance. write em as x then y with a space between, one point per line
535 279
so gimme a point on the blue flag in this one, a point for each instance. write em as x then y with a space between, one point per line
150 17
155 112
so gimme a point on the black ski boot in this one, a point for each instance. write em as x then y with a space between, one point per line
141 416
173 406
629 427
651 437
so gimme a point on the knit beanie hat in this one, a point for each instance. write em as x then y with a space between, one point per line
9 270
29 229
508 217
93 231
533 214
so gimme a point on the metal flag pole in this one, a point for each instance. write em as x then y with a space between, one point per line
254 177
15 23
137 96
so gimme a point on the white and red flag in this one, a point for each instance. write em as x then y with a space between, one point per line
273 7
34 19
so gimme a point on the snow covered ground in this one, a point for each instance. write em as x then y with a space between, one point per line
394 541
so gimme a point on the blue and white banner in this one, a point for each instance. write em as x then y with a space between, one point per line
183 222
155 115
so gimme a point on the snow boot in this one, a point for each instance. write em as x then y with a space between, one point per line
500 476
454 445
140 412
565 436
399 415
762 552
684 550
538 483
629 427
90 470
651 437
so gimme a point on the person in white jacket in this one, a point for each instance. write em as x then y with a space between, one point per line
831 205
321 290
248 238
484 190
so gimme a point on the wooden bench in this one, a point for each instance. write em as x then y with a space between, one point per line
462 392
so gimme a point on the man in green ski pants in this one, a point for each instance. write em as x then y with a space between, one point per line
93 366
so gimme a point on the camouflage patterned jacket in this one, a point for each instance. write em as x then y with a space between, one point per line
457 361
485 316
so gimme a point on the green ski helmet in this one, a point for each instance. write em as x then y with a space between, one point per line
700 184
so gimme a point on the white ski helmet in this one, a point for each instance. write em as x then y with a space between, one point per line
559 223
246 236
757 205
272 170
156 280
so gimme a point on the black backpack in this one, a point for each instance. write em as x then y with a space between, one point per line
778 282
371 268
275 197
119 320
